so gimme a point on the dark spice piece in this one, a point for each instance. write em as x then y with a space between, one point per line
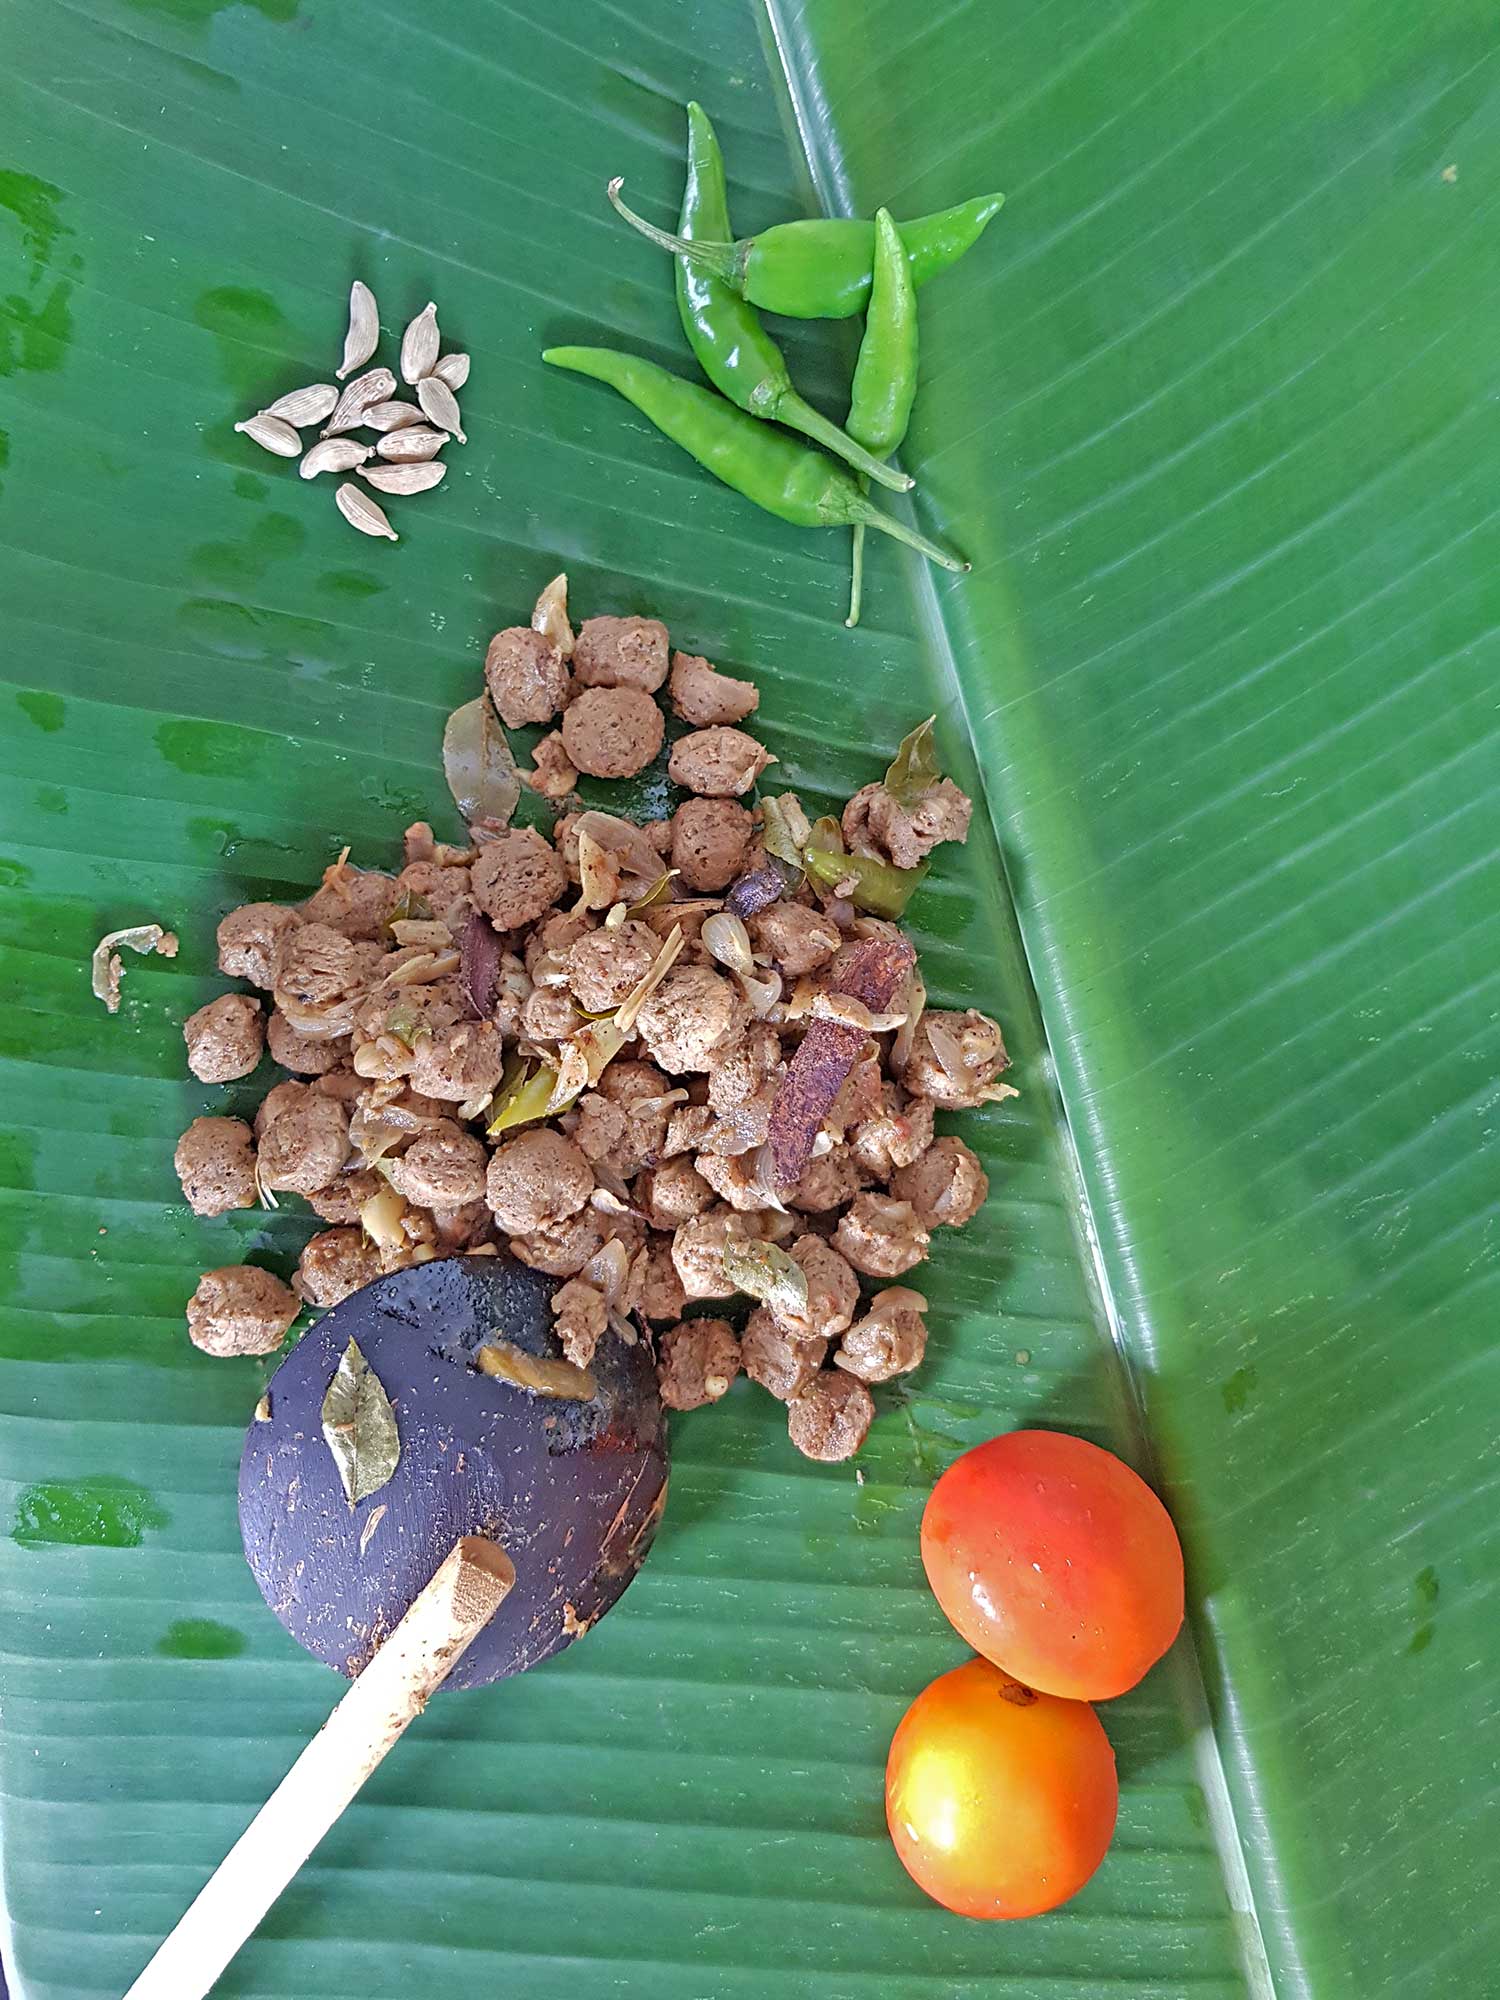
871 973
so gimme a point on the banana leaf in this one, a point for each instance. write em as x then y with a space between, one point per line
1211 410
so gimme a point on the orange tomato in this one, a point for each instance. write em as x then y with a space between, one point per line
1001 1802
1056 1561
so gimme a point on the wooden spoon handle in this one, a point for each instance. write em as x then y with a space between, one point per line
444 1619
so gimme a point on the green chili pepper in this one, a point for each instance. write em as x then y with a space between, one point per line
821 268
758 460
885 375
882 890
734 350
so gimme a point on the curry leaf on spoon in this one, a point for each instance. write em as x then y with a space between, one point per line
360 1426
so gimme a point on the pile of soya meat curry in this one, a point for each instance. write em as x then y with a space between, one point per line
686 1067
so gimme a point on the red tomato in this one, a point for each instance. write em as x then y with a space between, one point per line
1001 1802
1054 1560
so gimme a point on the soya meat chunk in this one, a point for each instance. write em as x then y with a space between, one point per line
240 1310
444 1168
710 843
946 1186
537 1180
621 652
604 966
881 1237
303 1055
215 1162
890 1340
333 1264
526 676
225 1038
699 1359
304 1147
785 1363
692 1012
717 763
517 878
707 699
612 732
955 1059
831 1418
250 938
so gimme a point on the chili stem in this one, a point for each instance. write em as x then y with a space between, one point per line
857 575
803 417
723 259
888 525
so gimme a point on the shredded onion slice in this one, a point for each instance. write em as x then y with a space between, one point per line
106 968
626 842
550 615
661 965
726 939
946 1047
598 876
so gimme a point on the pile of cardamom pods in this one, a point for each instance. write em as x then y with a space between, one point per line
408 435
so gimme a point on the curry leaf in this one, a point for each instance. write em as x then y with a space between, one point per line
914 768
480 766
360 1426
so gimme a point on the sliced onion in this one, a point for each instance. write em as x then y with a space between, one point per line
427 932
598 874
608 1271
843 1008
550 616
763 1183
422 968
726 939
946 1046
106 967
803 995
623 840
914 999
661 965
764 995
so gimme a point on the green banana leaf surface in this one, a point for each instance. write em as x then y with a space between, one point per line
1212 409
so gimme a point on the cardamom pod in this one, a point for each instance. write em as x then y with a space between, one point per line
363 336
440 403
420 344
454 370
361 512
415 442
349 411
271 434
340 454
391 416
301 407
405 478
